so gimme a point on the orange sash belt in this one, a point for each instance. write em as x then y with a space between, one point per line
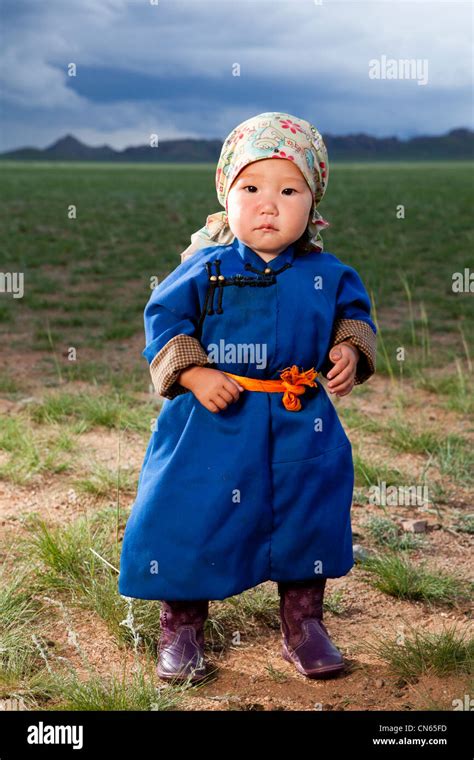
292 384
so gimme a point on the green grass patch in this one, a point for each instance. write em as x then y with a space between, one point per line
397 576
367 474
109 410
33 452
81 561
386 533
421 653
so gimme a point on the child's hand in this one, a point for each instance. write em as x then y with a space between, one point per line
212 388
345 357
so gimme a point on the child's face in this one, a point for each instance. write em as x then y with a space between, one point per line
270 191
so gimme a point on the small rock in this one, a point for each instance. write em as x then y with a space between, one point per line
379 683
360 554
414 526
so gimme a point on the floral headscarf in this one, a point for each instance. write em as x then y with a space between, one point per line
268 135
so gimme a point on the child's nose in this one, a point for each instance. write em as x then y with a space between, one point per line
269 204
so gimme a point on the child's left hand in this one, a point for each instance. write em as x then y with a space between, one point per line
345 357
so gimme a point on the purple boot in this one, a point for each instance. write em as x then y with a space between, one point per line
305 639
181 646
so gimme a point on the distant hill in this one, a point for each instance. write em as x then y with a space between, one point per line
456 144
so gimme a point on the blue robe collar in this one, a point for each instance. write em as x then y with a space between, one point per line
249 255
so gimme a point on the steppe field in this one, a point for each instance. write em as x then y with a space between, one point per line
76 411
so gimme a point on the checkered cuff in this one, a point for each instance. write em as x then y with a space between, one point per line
360 334
180 352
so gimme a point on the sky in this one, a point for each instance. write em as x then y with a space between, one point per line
169 67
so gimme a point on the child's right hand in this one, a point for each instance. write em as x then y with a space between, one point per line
212 388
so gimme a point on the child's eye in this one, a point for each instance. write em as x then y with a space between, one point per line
291 189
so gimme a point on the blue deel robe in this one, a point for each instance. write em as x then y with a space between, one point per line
228 500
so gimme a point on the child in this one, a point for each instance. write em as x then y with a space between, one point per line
248 476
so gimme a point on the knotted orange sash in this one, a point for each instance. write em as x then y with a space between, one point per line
292 384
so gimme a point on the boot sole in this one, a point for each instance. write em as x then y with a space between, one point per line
314 672
181 677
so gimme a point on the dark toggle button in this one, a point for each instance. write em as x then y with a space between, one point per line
267 271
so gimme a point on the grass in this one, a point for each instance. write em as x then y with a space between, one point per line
103 481
43 437
387 534
456 389
33 676
406 351
424 653
465 523
456 459
59 561
402 437
368 474
334 603
100 373
107 410
25 677
357 420
32 452
18 612
131 691
8 385
78 560
398 577
452 453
